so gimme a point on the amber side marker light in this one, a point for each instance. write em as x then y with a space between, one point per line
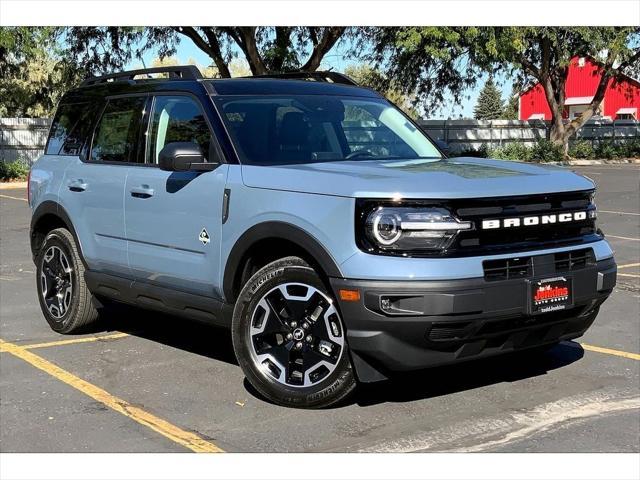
350 295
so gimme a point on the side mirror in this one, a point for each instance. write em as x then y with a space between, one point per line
182 157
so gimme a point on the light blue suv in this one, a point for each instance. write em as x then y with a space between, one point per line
314 219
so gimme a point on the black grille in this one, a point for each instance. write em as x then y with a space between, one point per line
478 241
507 268
449 330
573 260
515 239
526 267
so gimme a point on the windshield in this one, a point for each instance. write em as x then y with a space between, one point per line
311 128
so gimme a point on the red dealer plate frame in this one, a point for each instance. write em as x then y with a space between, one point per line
550 295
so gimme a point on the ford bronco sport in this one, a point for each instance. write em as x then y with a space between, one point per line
314 219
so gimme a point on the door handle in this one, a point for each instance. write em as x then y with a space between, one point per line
143 191
77 185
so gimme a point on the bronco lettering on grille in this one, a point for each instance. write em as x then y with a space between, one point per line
533 220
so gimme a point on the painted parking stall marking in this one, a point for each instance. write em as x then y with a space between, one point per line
57 343
182 437
13 198
607 351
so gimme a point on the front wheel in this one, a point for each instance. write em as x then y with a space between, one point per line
289 338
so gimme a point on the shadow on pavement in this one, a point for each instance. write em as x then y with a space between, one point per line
439 381
206 340
215 343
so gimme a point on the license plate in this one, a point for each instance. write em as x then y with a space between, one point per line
550 295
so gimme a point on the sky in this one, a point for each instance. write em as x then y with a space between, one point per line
337 60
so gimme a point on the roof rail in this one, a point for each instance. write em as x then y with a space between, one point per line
186 72
318 76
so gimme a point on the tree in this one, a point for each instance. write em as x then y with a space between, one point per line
489 105
512 107
32 79
435 60
543 54
265 49
428 62
368 76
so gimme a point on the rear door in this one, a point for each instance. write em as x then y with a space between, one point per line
174 219
93 190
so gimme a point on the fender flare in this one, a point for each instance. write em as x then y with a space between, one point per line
50 207
275 230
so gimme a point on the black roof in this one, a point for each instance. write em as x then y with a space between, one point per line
188 79
278 86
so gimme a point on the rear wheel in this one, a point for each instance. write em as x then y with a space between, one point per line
289 338
64 297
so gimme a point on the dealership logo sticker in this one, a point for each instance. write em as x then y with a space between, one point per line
204 236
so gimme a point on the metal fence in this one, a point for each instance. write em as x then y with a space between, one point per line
24 138
463 135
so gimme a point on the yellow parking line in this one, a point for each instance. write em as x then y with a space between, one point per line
623 238
75 340
182 437
629 265
628 275
14 198
619 213
609 351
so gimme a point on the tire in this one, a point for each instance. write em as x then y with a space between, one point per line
65 300
269 330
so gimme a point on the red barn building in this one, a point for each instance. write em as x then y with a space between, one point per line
621 99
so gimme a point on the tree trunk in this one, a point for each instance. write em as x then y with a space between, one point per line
558 133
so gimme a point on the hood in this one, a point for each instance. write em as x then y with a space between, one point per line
423 178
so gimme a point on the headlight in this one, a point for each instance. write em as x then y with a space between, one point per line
403 229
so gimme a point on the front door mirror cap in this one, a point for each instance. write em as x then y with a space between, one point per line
183 156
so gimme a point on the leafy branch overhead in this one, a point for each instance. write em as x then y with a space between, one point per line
439 60
425 66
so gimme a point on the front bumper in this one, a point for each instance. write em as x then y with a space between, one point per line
431 323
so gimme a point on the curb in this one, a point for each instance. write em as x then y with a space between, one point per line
584 162
12 185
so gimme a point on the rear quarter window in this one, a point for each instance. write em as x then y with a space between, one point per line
70 128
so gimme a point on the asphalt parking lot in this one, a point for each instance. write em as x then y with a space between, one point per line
150 383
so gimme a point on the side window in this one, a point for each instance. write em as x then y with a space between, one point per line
177 119
70 128
117 133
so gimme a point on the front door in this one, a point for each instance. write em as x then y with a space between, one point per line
174 219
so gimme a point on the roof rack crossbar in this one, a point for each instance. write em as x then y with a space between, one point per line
318 76
186 72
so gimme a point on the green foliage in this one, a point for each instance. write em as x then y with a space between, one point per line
608 149
511 107
546 151
482 152
265 49
581 149
443 62
428 61
367 76
32 75
17 170
38 64
489 105
633 148
512 151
